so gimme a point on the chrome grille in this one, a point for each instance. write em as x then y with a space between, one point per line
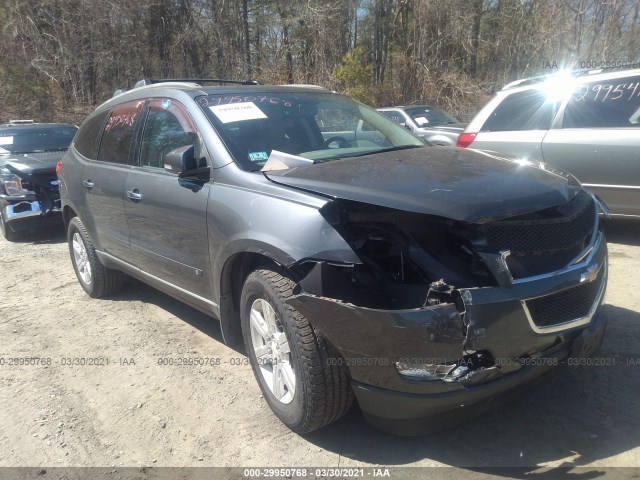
567 305
544 241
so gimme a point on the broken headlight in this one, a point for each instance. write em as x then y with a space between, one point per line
12 184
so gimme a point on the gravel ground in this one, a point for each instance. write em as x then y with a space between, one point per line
136 412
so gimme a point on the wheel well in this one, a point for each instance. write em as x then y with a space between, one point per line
234 273
67 214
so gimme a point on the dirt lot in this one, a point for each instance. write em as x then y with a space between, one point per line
134 411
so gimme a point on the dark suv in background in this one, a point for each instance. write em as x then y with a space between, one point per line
29 153
425 281
585 122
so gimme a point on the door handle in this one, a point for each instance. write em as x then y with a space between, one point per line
134 195
87 184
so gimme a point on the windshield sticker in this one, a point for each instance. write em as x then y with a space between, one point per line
237 112
258 156
421 120
6 140
166 103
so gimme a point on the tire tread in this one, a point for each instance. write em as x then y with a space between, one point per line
329 391
106 281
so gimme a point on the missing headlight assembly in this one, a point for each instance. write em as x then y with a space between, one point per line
402 254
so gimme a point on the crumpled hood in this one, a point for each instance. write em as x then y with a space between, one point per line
32 163
459 184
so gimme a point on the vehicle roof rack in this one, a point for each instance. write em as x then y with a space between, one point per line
578 72
20 122
151 81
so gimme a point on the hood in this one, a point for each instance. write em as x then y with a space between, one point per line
32 163
459 184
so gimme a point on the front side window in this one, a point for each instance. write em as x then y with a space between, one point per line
528 110
605 104
118 132
168 126
316 126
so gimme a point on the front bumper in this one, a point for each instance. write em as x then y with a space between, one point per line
24 213
417 414
372 343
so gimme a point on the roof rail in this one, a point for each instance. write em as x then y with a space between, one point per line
20 122
578 72
151 81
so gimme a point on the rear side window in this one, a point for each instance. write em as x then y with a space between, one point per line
118 132
88 137
528 110
606 104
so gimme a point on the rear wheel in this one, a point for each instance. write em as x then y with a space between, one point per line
290 360
97 280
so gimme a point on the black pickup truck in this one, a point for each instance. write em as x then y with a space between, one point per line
29 153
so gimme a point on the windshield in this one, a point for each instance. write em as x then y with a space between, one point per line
317 126
36 139
429 116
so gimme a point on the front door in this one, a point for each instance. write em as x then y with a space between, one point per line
167 214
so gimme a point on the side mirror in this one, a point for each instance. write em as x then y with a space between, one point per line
182 161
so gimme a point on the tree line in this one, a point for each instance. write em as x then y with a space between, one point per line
60 58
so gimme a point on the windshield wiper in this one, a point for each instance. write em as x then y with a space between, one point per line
371 152
388 149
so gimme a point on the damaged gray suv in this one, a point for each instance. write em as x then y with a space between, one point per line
352 261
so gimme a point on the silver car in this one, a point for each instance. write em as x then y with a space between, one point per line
585 122
433 125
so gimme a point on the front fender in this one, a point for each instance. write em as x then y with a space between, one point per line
276 227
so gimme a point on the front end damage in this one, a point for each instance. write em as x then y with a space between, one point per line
441 316
28 197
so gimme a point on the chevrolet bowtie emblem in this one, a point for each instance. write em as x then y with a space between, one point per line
590 275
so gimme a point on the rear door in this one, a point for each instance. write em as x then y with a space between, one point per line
599 141
103 180
167 214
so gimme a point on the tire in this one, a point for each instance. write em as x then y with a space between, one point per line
97 280
312 391
7 232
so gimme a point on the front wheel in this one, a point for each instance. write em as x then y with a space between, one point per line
97 280
290 360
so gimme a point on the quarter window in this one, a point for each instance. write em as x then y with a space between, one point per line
89 135
528 110
168 127
118 132
605 104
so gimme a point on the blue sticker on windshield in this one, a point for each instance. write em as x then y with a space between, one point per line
166 103
258 156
